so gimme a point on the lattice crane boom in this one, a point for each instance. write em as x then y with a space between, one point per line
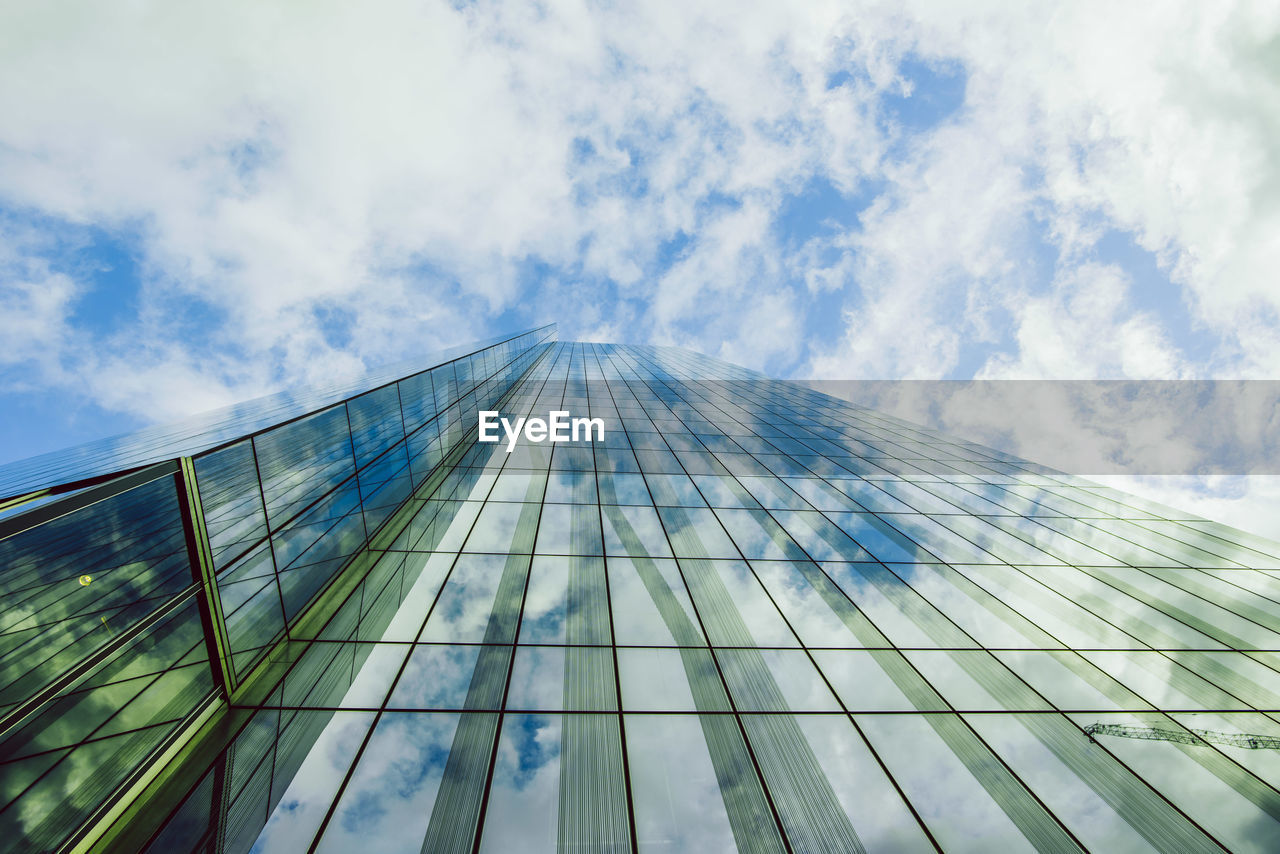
1190 736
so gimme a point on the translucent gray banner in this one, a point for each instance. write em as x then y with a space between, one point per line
1165 427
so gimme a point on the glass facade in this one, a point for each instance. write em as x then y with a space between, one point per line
752 618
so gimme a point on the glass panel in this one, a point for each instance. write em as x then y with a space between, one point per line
251 607
544 602
1230 803
438 676
650 604
571 487
774 681
734 607
821 495
971 608
463 611
518 486
663 680
1159 680
562 678
384 486
633 531
1069 681
1235 673
819 612
939 540
1210 619
67 759
723 492
376 423
417 399
820 539
303 460
1139 619
968 800
873 812
1097 798
569 529
72 584
695 533
974 680
759 537
689 798
622 488
995 540
376 668
231 500
881 540
877 681
524 798
423 576
674 490
311 549
898 611
296 818
394 786
439 526
1062 619
504 528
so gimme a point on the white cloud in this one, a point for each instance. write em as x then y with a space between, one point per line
1084 328
390 171
278 163
1158 121
35 305
934 257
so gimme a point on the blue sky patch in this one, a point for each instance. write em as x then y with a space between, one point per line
1152 291
937 91
821 208
336 324
107 268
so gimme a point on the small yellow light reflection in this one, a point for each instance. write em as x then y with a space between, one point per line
85 579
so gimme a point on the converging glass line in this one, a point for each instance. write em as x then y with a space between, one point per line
721 613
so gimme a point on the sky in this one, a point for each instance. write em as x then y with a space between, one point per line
202 204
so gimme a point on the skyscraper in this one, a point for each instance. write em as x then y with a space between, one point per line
748 616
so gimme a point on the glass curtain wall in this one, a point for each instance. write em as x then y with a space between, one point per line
138 600
757 618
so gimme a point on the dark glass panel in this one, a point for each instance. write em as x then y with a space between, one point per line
71 585
302 461
376 423
63 762
232 501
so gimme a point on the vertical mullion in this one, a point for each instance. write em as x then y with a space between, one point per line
271 537
217 643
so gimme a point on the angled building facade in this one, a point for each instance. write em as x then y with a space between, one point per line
747 617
